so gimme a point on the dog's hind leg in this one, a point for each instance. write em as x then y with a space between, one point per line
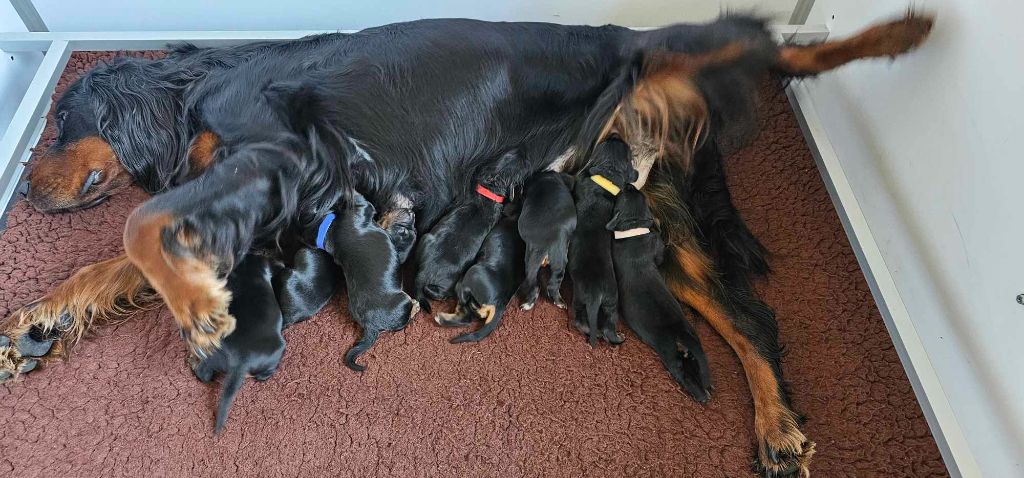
365 342
48 328
530 290
610 324
782 449
886 40
559 261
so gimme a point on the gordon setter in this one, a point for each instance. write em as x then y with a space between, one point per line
436 99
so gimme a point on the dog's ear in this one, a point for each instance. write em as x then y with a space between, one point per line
614 222
298 102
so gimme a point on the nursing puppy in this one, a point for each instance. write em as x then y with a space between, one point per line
490 283
307 285
370 263
595 295
256 346
646 303
444 253
546 224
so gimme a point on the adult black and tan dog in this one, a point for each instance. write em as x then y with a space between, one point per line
436 98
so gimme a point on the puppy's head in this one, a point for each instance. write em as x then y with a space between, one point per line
506 174
631 211
613 160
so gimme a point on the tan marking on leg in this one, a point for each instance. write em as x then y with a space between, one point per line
201 152
487 312
885 40
775 425
189 285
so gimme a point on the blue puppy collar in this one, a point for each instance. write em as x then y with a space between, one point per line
321 233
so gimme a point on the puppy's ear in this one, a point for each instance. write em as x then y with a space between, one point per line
298 102
615 222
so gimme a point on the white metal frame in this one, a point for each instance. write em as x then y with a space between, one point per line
29 120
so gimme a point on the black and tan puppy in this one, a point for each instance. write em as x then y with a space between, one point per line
256 346
369 262
445 253
305 286
546 224
595 294
646 303
490 283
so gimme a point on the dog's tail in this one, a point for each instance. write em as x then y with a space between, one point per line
491 315
592 314
232 384
368 339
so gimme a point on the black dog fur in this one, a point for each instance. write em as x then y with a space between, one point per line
307 285
490 283
256 346
647 305
595 294
546 224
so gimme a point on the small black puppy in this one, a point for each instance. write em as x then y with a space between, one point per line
595 294
370 263
647 305
546 224
256 346
490 283
444 253
307 285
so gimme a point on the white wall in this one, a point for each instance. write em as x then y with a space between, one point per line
121 15
16 69
933 147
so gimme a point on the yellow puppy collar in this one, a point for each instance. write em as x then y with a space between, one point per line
606 184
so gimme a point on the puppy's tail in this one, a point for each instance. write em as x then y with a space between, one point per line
232 384
492 319
369 338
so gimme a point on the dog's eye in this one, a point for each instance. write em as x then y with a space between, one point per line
61 116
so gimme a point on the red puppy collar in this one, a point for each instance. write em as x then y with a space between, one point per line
489 195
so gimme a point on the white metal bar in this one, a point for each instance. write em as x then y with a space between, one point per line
27 121
945 428
29 15
32 41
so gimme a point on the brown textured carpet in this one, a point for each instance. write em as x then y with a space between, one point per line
531 400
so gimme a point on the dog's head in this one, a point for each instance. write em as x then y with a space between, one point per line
631 211
613 160
117 125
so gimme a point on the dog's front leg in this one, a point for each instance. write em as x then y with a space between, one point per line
48 328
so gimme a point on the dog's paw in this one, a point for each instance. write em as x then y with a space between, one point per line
897 37
557 300
208 330
32 338
527 305
785 453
